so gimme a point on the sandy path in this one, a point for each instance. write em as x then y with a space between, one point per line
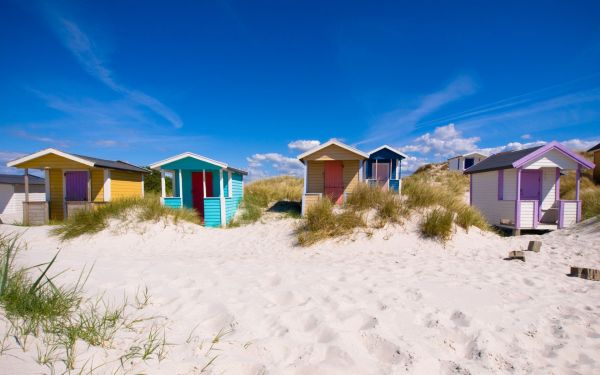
394 303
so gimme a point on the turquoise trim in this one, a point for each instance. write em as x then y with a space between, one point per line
172 202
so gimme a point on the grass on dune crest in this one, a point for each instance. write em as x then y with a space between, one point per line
143 209
261 194
589 192
435 193
60 316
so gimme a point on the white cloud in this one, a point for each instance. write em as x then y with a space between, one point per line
303 145
5 157
263 165
526 136
445 141
106 143
86 53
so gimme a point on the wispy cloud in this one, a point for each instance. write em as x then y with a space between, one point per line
403 120
38 138
82 47
5 157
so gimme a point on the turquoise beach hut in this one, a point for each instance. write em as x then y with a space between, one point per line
212 188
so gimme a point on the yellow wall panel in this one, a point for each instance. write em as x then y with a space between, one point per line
56 194
97 185
125 184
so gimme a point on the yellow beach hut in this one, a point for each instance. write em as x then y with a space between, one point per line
74 182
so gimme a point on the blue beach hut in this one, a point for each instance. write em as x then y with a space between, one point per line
383 168
212 188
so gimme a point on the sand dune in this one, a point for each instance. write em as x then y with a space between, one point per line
393 303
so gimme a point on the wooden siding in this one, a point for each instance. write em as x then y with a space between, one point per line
56 194
97 185
315 176
12 198
569 213
172 202
527 214
485 198
309 199
333 152
125 184
53 162
351 168
552 159
548 188
212 212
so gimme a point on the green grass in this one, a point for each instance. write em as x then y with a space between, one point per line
437 224
60 316
143 209
320 223
590 205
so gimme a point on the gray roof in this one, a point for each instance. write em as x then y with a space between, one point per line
118 164
19 179
502 160
595 148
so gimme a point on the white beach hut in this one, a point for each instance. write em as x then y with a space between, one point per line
12 195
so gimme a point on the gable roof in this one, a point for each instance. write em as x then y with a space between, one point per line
85 160
595 148
469 154
184 155
516 159
334 142
399 153
19 179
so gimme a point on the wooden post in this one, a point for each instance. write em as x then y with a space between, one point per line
162 184
89 187
518 202
577 182
173 182
26 184
181 187
222 198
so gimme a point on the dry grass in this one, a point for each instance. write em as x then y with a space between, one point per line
144 209
437 224
320 223
590 206
261 194
589 192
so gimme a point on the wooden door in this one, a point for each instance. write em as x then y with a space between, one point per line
198 182
334 181
76 186
531 185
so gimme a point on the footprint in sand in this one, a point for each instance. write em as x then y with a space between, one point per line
386 351
460 319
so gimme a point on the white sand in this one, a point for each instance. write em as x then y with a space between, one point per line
393 303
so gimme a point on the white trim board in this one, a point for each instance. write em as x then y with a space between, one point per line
157 165
48 151
335 143
389 148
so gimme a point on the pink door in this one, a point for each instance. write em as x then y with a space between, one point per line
531 185
382 174
334 181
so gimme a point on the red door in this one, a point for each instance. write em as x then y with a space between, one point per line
198 190
334 181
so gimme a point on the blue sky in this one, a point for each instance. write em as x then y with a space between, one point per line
255 83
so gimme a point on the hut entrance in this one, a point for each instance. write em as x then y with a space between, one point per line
199 181
76 186
334 181
531 182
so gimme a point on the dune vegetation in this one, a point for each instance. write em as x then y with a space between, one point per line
59 318
264 194
589 192
434 193
147 208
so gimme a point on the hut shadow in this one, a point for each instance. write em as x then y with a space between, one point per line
290 208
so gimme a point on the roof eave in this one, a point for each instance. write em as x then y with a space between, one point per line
157 165
552 145
45 152
397 152
329 143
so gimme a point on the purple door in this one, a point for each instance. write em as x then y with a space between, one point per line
76 186
531 183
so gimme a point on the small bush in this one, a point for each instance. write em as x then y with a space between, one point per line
437 224
467 217
364 197
390 209
144 209
320 222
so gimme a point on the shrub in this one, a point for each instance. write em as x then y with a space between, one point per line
390 209
144 209
437 224
320 222
364 197
467 216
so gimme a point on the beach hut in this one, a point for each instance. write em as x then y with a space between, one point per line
74 182
212 188
521 189
12 195
596 151
332 169
462 162
383 168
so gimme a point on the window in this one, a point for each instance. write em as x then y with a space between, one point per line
469 162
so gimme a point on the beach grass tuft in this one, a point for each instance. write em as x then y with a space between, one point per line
148 208
437 224
321 222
